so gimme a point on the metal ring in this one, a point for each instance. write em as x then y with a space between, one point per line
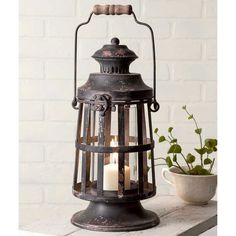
156 106
120 149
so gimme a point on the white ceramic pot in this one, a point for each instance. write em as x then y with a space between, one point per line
193 189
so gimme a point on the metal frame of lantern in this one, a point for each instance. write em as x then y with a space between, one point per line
119 210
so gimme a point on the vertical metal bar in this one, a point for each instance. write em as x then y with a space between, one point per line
152 152
88 154
121 142
85 161
127 112
140 141
145 168
93 143
107 134
78 133
101 139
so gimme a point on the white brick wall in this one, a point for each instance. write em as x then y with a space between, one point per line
185 33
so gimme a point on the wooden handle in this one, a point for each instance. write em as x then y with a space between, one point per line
112 9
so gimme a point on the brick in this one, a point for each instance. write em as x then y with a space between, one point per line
163 114
64 69
211 49
60 153
206 112
65 27
59 69
30 194
195 29
185 133
46 89
58 194
88 47
174 50
60 111
47 7
47 131
122 28
29 111
31 27
31 152
46 47
31 69
210 92
173 8
85 7
210 8
145 69
46 173
175 91
195 71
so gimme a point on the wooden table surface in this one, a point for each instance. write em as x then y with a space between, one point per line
177 218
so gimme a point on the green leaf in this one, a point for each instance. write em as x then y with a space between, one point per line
198 170
170 129
149 156
162 139
156 130
184 107
204 172
214 149
190 117
175 158
169 162
209 150
148 168
198 131
210 143
175 148
195 170
190 158
173 140
200 151
207 161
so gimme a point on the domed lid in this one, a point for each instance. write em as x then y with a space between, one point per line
114 50
114 58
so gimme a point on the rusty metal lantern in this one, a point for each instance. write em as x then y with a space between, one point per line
114 138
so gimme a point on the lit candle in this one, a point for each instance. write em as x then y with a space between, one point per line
111 173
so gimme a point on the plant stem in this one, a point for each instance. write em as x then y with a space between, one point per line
178 166
159 158
200 136
212 164
180 153
160 165
171 135
185 160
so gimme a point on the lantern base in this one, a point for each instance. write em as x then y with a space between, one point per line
115 217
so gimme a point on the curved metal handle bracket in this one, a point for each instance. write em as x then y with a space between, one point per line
75 101
154 105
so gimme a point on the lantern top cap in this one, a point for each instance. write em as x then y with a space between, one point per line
114 51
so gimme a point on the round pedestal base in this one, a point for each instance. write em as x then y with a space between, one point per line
115 217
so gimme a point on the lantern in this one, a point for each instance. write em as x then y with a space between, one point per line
114 139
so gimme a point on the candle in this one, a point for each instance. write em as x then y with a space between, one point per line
110 177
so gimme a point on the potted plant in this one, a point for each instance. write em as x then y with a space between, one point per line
195 181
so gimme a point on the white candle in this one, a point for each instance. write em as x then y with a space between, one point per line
110 177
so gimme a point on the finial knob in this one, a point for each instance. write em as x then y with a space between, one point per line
115 41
